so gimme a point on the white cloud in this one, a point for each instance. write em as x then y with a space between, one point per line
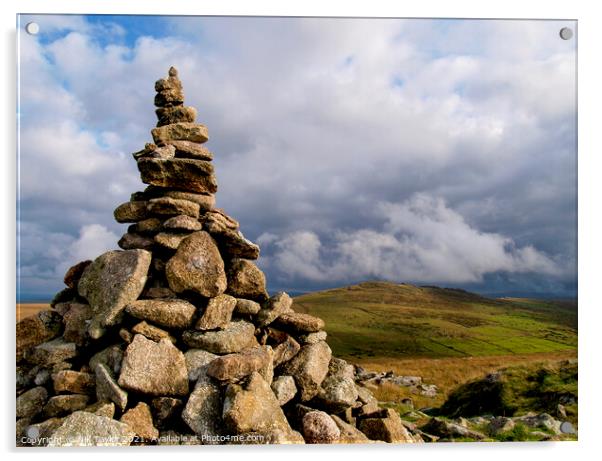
422 240
93 240
45 256
312 129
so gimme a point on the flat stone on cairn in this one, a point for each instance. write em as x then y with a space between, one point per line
176 334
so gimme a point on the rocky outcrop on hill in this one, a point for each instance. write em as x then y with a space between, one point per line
174 338
413 383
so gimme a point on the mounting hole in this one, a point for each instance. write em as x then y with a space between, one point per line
33 432
32 28
566 33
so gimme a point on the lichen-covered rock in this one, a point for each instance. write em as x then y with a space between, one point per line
111 357
169 241
284 389
148 226
500 424
179 173
37 329
175 114
234 245
197 266
285 350
158 293
169 97
309 368
75 382
338 390
238 335
253 407
217 314
152 151
246 280
165 410
167 206
233 367
151 332
140 420
84 429
154 368
319 427
102 409
217 222
183 131
543 421
349 433
66 294
385 425
197 361
246 307
75 320
112 281
182 223
312 338
131 212
107 389
133 241
31 403
206 201
60 405
51 352
276 305
170 313
188 149
298 322
203 411
74 273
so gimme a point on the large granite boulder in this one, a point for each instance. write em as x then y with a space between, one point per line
253 407
238 335
309 367
233 367
183 131
111 282
193 175
154 368
107 389
170 313
84 429
140 420
34 330
217 314
319 427
278 304
246 280
197 266
203 411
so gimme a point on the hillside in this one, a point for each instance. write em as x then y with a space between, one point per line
381 319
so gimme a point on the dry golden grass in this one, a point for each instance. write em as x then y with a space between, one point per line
447 373
25 310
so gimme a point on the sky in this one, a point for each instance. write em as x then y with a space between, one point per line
438 152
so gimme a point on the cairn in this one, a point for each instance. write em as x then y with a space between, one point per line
174 339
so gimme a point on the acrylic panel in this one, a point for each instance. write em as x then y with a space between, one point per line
295 230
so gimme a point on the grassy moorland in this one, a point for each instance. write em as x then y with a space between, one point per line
379 319
27 309
446 336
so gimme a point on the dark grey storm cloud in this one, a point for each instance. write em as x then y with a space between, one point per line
410 150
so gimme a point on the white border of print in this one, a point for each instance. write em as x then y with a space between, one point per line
590 153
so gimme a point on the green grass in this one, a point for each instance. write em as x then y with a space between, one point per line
380 319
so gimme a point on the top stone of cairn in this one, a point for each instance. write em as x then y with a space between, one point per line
170 101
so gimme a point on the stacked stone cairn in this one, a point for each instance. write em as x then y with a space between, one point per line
174 339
